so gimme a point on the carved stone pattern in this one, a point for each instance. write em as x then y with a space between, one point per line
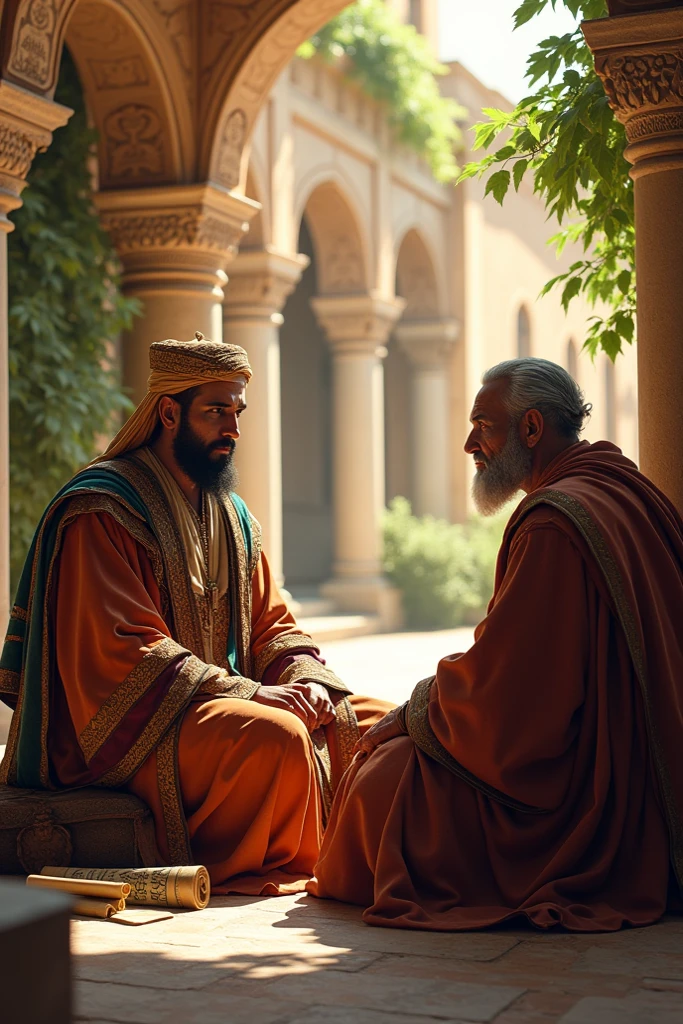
17 150
232 144
121 73
343 265
267 290
182 228
654 123
634 81
134 143
97 27
34 41
40 843
180 26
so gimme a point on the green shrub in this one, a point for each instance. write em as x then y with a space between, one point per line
444 570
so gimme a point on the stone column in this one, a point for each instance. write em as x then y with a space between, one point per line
357 326
174 243
260 281
640 61
26 125
428 345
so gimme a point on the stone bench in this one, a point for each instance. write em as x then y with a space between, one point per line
79 828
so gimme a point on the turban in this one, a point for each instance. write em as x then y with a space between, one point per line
177 366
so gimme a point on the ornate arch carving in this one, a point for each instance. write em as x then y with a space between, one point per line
340 249
416 278
241 78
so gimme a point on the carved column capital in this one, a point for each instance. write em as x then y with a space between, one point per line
428 343
260 282
26 125
357 324
185 229
639 59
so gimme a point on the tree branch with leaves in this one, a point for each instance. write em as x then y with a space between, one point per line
565 137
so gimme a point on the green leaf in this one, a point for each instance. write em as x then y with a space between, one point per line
497 185
518 172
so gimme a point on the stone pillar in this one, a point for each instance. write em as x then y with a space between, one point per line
357 326
428 345
26 125
640 61
260 281
174 243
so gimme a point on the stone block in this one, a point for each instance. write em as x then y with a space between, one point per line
35 962
639 1008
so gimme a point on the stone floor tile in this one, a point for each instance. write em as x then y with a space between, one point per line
639 1008
345 1015
637 964
123 1004
441 999
451 945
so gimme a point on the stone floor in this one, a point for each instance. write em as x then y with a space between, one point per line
297 960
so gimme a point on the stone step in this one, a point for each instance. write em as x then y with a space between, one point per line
324 628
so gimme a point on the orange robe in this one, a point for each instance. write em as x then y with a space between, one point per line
246 772
542 775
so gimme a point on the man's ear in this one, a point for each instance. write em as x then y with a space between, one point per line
532 428
169 412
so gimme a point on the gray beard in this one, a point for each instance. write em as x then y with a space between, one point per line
503 475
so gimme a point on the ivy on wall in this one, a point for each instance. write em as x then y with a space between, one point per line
395 65
565 137
65 310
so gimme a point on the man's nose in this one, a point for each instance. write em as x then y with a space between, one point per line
471 446
232 428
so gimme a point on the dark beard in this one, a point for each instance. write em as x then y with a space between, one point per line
216 474
503 476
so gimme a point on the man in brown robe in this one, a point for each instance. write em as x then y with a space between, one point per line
149 646
539 774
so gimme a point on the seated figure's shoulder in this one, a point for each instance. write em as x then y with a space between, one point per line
99 520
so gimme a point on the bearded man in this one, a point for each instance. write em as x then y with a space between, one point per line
540 773
149 646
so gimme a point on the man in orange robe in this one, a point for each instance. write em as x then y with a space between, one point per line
540 773
150 647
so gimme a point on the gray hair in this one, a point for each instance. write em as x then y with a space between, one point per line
539 384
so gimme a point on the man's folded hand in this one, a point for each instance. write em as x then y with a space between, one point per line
308 701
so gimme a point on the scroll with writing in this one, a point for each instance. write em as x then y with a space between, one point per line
87 907
186 887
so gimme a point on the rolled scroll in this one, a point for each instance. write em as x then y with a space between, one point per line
115 891
95 908
186 887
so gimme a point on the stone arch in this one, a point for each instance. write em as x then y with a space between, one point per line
134 80
253 54
340 248
416 279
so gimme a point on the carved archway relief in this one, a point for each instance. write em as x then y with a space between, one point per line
137 93
241 82
341 251
416 278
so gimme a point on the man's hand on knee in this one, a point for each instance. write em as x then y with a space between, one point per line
310 702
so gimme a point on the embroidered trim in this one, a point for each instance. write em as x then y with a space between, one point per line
183 687
19 613
323 764
348 733
126 695
240 586
175 823
16 639
307 669
225 685
186 626
279 645
599 548
9 681
256 545
422 735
